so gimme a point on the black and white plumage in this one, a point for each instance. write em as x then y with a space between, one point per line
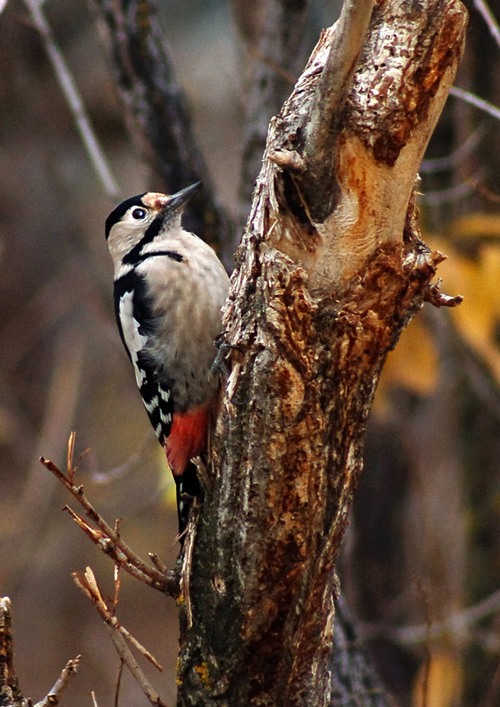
169 288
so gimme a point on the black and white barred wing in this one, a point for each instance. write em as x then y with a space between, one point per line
136 329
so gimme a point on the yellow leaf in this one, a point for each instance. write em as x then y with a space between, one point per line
439 682
413 363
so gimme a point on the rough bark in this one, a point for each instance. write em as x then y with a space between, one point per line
10 693
330 270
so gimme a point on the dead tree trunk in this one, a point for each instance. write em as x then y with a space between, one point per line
330 270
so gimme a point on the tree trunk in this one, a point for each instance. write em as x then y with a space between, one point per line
330 270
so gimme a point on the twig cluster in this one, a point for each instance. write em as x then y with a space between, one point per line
109 540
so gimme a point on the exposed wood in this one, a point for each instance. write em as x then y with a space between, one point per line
328 274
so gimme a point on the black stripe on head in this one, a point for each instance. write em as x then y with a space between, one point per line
118 213
152 231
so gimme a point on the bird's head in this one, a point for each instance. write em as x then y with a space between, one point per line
141 219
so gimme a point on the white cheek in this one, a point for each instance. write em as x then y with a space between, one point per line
123 237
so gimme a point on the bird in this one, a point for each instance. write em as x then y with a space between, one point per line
169 290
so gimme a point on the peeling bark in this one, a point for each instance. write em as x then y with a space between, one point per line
329 272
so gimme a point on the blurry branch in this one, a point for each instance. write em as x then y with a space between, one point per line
458 624
110 476
486 193
73 99
475 101
10 692
118 633
430 165
487 15
107 539
453 194
156 109
62 399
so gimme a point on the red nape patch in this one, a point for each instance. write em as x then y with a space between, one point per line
187 438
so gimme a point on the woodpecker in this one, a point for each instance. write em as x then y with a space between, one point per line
169 288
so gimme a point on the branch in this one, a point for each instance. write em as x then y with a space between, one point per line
106 538
345 45
487 15
9 684
54 695
458 624
274 34
88 585
74 100
475 101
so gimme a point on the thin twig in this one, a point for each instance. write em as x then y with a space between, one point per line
431 165
54 695
88 584
475 101
118 683
458 624
454 193
74 100
108 540
489 18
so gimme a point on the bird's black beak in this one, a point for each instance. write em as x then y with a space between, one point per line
178 201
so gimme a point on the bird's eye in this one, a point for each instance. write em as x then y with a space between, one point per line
139 214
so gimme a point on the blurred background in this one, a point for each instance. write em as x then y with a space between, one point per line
421 567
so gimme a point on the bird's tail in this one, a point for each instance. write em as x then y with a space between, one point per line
187 487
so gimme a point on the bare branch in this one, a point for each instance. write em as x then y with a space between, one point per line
108 539
347 36
54 695
9 684
88 585
74 100
487 15
273 32
430 165
459 624
475 101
